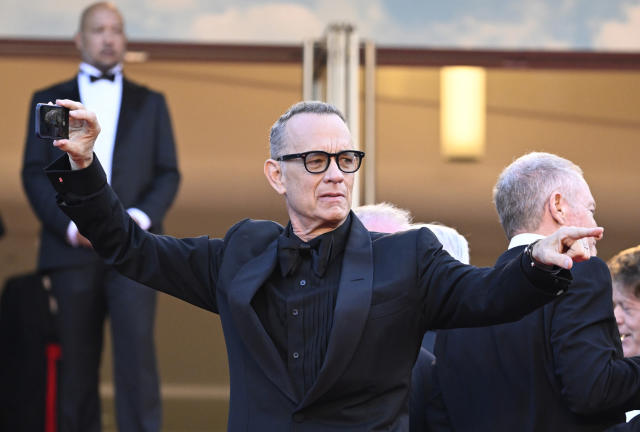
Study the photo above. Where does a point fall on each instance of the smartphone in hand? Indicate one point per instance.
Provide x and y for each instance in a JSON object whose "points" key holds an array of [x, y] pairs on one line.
{"points": [[52, 121]]}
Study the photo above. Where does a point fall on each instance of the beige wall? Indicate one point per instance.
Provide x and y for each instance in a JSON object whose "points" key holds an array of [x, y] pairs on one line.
{"points": [[222, 113], [590, 117]]}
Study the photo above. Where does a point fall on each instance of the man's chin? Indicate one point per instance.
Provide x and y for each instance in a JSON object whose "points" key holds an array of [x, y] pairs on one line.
{"points": [[335, 218], [105, 65]]}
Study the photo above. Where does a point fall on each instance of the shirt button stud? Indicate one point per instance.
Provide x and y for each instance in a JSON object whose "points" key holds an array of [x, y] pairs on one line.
{"points": [[303, 282], [296, 355], [294, 312]]}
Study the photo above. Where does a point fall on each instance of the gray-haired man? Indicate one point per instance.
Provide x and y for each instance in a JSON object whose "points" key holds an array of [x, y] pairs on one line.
{"points": [[561, 367], [322, 318]]}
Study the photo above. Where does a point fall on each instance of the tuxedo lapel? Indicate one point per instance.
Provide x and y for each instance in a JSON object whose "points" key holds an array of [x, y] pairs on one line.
{"points": [[241, 291], [67, 90], [130, 98], [352, 308], [124, 165], [74, 90]]}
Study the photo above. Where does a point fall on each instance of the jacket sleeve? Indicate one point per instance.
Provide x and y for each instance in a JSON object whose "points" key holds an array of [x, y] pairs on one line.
{"points": [[587, 354], [459, 295], [184, 268], [37, 155]]}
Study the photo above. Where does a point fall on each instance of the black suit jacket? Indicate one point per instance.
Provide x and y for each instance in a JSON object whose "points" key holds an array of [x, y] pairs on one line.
{"points": [[144, 168], [421, 417], [392, 288], [560, 368]]}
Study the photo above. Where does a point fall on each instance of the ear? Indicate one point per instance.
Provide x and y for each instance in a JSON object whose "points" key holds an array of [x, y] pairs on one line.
{"points": [[274, 175], [558, 207], [78, 40]]}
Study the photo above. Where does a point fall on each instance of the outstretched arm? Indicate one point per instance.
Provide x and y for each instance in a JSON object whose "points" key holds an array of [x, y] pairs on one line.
{"points": [[184, 268]]}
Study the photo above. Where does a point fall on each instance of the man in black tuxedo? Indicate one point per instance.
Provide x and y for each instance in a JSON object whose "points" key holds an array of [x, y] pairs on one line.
{"points": [[561, 367], [137, 150], [322, 319]]}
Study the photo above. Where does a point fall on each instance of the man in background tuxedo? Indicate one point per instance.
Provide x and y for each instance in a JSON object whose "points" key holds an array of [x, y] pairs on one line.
{"points": [[136, 148], [561, 368]]}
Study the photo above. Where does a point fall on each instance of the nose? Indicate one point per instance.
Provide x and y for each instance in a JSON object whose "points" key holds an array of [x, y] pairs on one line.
{"points": [[109, 35], [617, 312], [333, 173]]}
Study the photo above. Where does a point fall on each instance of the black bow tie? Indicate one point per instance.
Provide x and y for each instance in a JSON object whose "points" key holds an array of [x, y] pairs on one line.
{"points": [[106, 76], [292, 251]]}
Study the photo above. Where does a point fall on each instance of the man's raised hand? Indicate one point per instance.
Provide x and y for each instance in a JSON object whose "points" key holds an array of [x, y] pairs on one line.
{"points": [[83, 131]]}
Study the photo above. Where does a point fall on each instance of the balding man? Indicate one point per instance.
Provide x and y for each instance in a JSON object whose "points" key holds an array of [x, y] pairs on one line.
{"points": [[137, 151]]}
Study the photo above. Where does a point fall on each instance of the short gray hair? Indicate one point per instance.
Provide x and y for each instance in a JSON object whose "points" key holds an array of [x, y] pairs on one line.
{"points": [[277, 135], [524, 186], [452, 241], [383, 217]]}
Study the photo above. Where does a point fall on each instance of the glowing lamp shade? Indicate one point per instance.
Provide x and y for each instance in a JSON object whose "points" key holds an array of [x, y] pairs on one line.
{"points": [[462, 112]]}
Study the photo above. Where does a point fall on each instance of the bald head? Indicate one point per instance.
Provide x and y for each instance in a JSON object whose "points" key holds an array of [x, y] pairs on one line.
{"points": [[89, 10], [100, 38]]}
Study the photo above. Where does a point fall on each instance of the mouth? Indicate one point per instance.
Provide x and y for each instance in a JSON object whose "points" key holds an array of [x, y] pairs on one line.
{"points": [[332, 195], [624, 336]]}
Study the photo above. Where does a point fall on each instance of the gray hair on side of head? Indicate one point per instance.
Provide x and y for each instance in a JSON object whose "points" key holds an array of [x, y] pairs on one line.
{"points": [[452, 241], [383, 217], [625, 270], [277, 135], [523, 188]]}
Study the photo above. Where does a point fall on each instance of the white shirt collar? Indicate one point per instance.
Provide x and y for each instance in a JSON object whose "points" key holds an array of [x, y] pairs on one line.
{"points": [[524, 239], [92, 70]]}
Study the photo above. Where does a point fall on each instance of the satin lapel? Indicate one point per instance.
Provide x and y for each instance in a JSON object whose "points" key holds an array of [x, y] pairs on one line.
{"points": [[352, 308], [127, 112], [74, 91], [241, 291]]}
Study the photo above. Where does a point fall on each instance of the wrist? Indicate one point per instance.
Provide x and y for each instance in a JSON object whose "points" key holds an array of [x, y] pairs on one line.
{"points": [[535, 263], [78, 163]]}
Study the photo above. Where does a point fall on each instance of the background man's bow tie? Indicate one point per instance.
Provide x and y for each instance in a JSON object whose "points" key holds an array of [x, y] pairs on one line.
{"points": [[106, 76]]}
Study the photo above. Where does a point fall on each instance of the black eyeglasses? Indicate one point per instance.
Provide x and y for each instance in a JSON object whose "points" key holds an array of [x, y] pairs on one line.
{"points": [[317, 162]]}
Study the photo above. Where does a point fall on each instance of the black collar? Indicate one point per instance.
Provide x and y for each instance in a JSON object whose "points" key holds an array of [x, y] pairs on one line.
{"points": [[323, 249]]}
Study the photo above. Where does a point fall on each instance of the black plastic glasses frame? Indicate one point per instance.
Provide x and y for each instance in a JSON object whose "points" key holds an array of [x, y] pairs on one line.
{"points": [[356, 154]]}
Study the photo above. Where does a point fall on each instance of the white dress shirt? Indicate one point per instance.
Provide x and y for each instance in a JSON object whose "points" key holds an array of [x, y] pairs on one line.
{"points": [[524, 239]]}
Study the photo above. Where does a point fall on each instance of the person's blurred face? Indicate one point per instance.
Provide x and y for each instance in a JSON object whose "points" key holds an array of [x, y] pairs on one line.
{"points": [[101, 40], [316, 201], [581, 210], [626, 308]]}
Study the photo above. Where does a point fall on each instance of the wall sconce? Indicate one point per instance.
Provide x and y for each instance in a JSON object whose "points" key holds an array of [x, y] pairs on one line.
{"points": [[462, 112]]}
